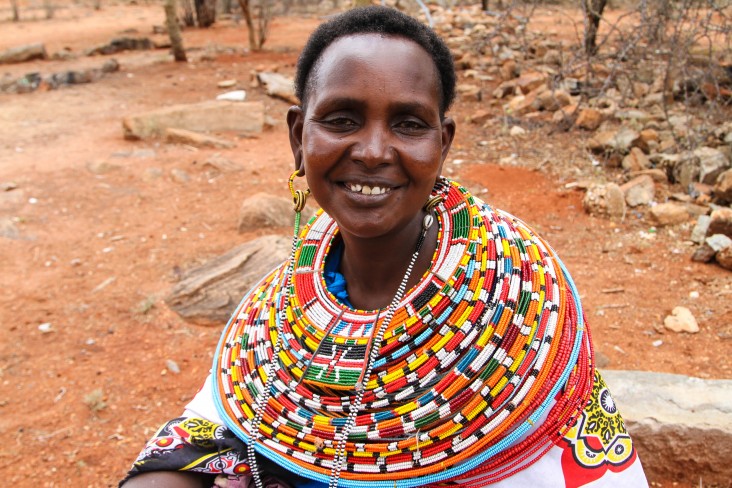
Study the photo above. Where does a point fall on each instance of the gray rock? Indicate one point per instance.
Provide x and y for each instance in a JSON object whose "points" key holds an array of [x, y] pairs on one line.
{"points": [[669, 213], [265, 210], [279, 86], [678, 424], [209, 116], [614, 141], [21, 54], [703, 253], [723, 186], [712, 163], [721, 222], [605, 201], [208, 294], [700, 229], [718, 242], [639, 191]]}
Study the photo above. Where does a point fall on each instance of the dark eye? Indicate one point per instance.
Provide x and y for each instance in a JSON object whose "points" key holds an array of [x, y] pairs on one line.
{"points": [[340, 122], [411, 126]]}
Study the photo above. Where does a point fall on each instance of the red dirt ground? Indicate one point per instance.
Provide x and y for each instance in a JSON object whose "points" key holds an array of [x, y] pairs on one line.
{"points": [[98, 252]]}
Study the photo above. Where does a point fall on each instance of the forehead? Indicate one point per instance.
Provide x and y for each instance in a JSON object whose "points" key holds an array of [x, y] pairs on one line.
{"points": [[363, 61]]}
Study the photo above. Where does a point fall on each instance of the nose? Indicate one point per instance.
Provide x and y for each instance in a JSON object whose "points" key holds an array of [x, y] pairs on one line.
{"points": [[374, 146]]}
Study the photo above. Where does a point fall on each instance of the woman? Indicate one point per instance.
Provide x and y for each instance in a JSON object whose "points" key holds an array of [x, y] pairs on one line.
{"points": [[415, 336]]}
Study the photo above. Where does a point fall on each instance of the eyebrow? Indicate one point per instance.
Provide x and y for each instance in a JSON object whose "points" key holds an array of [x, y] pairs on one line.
{"points": [[399, 107]]}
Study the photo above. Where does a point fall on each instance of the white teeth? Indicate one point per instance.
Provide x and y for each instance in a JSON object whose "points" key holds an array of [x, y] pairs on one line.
{"points": [[367, 190]]}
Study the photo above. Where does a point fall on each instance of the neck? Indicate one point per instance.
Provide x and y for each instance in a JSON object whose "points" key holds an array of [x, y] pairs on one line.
{"points": [[374, 268]]}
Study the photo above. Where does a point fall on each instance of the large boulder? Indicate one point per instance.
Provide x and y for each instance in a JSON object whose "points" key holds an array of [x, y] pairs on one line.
{"points": [[208, 294], [681, 426], [721, 222], [209, 116]]}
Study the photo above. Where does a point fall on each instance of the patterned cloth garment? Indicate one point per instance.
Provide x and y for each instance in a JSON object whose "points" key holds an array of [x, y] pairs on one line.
{"points": [[484, 376]]}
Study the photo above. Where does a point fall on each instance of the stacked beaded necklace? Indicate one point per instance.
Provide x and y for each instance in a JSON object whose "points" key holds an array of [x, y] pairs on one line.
{"points": [[478, 370]]}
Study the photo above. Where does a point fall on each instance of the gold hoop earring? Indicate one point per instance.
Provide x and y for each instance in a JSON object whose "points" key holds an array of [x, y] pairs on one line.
{"points": [[299, 197], [432, 202]]}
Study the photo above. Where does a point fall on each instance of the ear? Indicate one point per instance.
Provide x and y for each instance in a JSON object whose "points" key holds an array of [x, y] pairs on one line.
{"points": [[448, 134], [295, 121]]}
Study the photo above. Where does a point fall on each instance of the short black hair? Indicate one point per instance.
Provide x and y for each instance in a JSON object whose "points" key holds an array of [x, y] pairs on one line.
{"points": [[376, 19]]}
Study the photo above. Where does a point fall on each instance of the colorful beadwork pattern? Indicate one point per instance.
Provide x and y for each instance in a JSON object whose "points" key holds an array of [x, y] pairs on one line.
{"points": [[482, 369]]}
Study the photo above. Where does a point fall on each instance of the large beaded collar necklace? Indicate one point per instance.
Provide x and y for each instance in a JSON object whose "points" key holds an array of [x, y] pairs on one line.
{"points": [[469, 376]]}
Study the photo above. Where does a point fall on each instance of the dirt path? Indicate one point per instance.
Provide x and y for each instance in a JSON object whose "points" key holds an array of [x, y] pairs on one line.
{"points": [[105, 226]]}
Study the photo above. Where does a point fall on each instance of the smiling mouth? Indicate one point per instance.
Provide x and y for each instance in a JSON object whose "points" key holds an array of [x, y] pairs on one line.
{"points": [[367, 190]]}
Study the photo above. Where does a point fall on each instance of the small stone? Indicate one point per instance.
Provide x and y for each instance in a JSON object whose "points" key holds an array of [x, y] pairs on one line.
{"points": [[718, 242], [694, 294], [552, 100], [530, 81], [699, 233], [589, 119], [226, 83], [669, 214], [466, 91], [639, 191], [233, 96], [505, 89], [649, 135], [552, 57], [509, 70], [517, 131], [172, 366], [703, 254], [721, 222], [605, 201], [723, 187], [480, 117], [712, 163], [657, 343], [724, 258], [658, 175], [681, 320], [45, 328], [636, 160]]}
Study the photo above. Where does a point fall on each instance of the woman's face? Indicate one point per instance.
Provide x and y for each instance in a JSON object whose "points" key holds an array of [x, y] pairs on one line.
{"points": [[370, 141]]}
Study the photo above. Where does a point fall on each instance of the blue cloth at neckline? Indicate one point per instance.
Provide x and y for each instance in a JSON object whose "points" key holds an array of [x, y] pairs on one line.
{"points": [[334, 280]]}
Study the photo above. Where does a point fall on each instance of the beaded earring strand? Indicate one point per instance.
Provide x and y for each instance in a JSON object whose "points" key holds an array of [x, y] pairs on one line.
{"points": [[299, 198]]}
